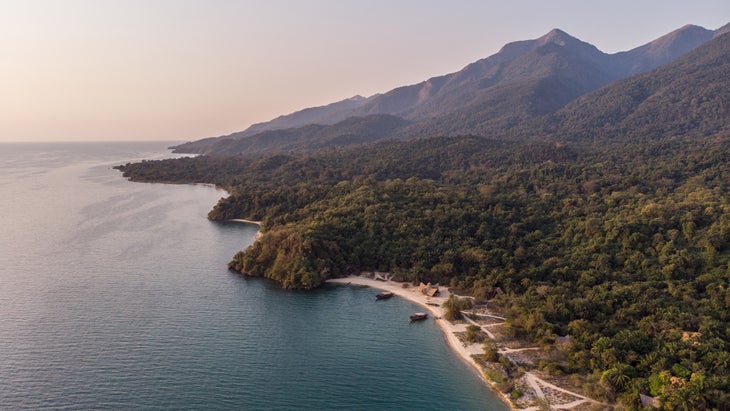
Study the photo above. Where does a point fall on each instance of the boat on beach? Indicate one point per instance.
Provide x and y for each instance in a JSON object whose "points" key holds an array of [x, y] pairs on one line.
{"points": [[384, 295], [419, 316]]}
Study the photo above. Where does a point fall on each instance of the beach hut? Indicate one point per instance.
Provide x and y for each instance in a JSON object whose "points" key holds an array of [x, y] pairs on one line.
{"points": [[428, 289]]}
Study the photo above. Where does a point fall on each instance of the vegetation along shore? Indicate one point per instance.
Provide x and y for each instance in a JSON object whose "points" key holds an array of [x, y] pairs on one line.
{"points": [[592, 217], [471, 334]]}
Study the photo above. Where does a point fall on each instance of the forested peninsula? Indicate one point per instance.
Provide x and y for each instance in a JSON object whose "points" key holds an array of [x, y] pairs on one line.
{"points": [[624, 247], [606, 223]]}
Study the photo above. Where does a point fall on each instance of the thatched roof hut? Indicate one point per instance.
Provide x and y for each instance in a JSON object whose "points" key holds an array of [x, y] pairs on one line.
{"points": [[428, 289]]}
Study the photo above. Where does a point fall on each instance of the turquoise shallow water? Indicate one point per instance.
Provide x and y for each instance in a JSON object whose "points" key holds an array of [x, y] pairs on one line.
{"points": [[115, 295]]}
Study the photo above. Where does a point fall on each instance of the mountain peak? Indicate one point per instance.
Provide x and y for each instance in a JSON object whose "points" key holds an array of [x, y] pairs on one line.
{"points": [[524, 79], [722, 30], [565, 41], [689, 31], [555, 36], [559, 37], [677, 42]]}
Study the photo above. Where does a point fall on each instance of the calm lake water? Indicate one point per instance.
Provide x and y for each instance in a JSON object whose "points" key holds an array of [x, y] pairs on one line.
{"points": [[115, 295]]}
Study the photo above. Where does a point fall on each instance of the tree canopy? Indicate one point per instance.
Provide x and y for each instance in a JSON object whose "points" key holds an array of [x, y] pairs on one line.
{"points": [[624, 246]]}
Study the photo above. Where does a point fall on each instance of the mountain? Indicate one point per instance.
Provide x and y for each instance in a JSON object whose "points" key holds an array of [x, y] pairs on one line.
{"points": [[351, 131], [607, 217], [524, 80], [329, 114], [493, 97], [688, 96], [517, 64], [722, 30], [662, 50]]}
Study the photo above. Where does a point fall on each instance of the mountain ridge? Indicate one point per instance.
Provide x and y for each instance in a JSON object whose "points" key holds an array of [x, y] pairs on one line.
{"points": [[524, 80], [687, 96], [603, 223], [665, 48]]}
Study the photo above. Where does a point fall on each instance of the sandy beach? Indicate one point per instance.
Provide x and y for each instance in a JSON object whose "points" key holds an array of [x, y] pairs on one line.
{"points": [[258, 234], [557, 397], [432, 305], [412, 294], [243, 220], [537, 388]]}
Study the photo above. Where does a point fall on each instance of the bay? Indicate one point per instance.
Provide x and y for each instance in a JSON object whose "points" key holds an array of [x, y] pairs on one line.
{"points": [[115, 295]]}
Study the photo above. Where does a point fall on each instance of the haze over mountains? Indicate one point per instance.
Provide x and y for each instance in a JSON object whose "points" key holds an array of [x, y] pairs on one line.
{"points": [[505, 95]]}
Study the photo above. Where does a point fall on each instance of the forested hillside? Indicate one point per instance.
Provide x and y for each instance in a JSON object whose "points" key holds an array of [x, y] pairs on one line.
{"points": [[494, 96], [686, 97], [624, 250], [607, 223], [348, 132]]}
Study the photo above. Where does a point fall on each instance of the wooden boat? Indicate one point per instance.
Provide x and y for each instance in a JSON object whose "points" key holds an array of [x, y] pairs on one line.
{"points": [[419, 316], [384, 295]]}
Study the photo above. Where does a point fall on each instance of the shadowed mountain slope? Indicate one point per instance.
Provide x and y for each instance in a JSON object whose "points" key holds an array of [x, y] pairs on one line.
{"points": [[351, 131], [329, 114], [495, 96], [688, 96], [662, 50]]}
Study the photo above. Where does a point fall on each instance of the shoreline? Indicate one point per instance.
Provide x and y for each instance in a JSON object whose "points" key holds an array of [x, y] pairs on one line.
{"points": [[411, 294], [258, 234], [243, 220]]}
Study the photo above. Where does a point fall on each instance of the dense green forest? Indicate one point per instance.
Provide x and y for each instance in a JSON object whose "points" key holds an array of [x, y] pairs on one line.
{"points": [[608, 222], [624, 246]]}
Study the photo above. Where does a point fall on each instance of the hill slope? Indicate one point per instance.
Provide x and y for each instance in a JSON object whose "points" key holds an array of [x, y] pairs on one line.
{"points": [[351, 131], [603, 233], [329, 114], [524, 80], [686, 97]]}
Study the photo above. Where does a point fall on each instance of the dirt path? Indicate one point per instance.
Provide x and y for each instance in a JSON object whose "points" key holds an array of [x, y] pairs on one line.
{"points": [[511, 350], [537, 384], [541, 388]]}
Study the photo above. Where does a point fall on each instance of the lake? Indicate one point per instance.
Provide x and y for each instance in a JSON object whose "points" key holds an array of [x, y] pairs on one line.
{"points": [[116, 295]]}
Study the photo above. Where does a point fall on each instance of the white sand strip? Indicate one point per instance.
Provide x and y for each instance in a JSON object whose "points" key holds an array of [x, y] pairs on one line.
{"points": [[412, 294], [243, 220]]}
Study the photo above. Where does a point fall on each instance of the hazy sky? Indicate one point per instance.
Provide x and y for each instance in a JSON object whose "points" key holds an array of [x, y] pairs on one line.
{"points": [[186, 69]]}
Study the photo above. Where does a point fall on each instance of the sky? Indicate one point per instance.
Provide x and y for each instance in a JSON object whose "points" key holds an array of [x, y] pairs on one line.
{"points": [[180, 70]]}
